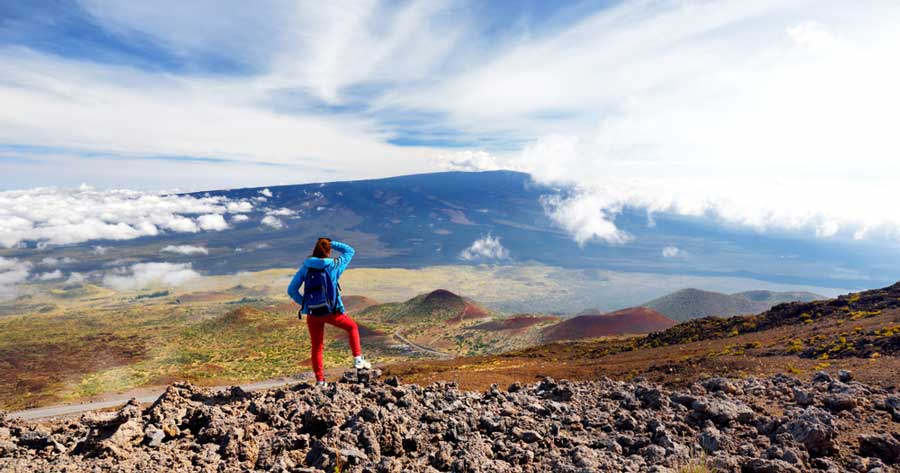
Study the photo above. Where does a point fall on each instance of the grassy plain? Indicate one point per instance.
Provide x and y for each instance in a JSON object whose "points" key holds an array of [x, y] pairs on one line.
{"points": [[61, 343]]}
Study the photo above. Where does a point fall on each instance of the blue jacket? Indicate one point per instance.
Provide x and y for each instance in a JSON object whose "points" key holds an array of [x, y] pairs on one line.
{"points": [[334, 267]]}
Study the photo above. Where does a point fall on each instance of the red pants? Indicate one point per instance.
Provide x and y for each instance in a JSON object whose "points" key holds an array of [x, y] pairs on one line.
{"points": [[316, 325]]}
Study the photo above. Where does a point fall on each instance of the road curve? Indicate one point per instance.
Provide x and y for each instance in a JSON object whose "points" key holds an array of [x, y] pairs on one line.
{"points": [[421, 348]]}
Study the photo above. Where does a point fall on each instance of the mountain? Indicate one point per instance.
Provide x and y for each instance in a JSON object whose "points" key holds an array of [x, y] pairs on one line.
{"points": [[430, 219], [633, 320], [689, 304], [439, 306]]}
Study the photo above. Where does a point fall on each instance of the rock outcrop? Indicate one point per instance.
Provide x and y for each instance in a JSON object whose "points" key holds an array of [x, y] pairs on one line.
{"points": [[366, 424]]}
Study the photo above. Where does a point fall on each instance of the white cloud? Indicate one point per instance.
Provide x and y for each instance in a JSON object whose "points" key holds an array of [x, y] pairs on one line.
{"points": [[223, 118], [67, 216], [180, 224], [240, 218], [673, 252], [53, 262], [145, 275], [586, 216], [12, 272], [100, 250], [239, 207], [282, 212], [76, 278], [486, 247], [212, 222], [266, 192], [747, 112], [49, 276], [468, 160], [185, 250], [272, 222]]}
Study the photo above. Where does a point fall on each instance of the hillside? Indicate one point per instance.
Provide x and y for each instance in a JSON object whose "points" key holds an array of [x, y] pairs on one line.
{"points": [[437, 306], [635, 320], [858, 332], [689, 304]]}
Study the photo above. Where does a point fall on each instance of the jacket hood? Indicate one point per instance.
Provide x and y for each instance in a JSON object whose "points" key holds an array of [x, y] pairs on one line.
{"points": [[318, 263]]}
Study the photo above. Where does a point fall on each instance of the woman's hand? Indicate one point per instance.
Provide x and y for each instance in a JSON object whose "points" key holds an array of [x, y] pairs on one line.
{"points": [[300, 314]]}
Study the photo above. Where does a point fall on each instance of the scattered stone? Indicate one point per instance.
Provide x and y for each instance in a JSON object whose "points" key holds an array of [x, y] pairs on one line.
{"points": [[837, 402], [803, 397], [814, 428], [845, 376], [711, 440], [153, 436], [363, 424], [884, 447], [760, 465], [822, 377]]}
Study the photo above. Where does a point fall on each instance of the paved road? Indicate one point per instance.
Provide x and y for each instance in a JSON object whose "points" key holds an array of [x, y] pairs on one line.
{"points": [[116, 401], [421, 348]]}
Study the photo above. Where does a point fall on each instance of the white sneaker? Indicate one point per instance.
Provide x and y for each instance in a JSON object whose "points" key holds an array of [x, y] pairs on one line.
{"points": [[361, 363], [321, 384]]}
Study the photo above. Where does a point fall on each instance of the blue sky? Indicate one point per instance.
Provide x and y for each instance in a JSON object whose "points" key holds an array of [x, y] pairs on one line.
{"points": [[765, 116]]}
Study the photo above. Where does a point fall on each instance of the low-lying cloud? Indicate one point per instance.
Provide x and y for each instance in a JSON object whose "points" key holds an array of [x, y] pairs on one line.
{"points": [[185, 250], [12, 272], [49, 276], [52, 262], [68, 216], [212, 222], [487, 247], [148, 275]]}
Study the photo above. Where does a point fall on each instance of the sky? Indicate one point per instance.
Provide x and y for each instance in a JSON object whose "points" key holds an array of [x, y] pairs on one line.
{"points": [[773, 116]]}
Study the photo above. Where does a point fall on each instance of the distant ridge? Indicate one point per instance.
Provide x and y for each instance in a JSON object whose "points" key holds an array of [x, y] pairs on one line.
{"points": [[688, 304], [634, 320]]}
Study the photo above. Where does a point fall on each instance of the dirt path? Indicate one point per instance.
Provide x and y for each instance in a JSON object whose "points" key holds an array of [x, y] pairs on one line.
{"points": [[422, 348], [149, 395], [143, 396]]}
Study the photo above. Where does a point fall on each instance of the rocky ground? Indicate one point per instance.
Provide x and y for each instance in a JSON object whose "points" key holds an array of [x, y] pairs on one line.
{"points": [[364, 424]]}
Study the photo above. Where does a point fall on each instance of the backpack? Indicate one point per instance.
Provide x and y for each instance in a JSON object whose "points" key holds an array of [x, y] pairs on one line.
{"points": [[320, 294]]}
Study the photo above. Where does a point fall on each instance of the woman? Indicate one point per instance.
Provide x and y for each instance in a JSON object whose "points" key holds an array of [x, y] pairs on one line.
{"points": [[320, 263]]}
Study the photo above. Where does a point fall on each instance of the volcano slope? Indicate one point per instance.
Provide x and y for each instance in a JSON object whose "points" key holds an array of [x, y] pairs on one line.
{"points": [[859, 332], [364, 425]]}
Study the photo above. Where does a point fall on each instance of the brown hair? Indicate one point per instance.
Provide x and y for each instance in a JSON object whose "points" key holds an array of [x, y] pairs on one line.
{"points": [[322, 248]]}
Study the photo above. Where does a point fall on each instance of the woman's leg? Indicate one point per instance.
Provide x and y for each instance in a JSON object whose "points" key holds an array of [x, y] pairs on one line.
{"points": [[344, 322], [317, 338]]}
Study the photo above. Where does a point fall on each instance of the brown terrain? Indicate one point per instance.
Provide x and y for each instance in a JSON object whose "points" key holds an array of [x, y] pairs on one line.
{"points": [[805, 386], [633, 320], [515, 323], [859, 332]]}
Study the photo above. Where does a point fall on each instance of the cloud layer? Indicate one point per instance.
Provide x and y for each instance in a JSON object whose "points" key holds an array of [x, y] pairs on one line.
{"points": [[149, 275], [65, 216]]}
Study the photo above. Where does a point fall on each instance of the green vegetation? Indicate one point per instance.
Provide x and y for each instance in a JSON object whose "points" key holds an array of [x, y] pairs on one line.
{"points": [[863, 314]]}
